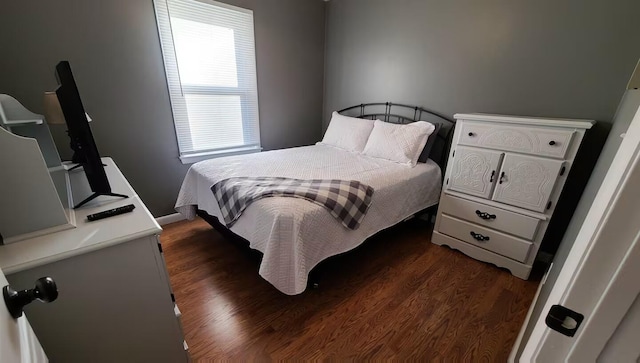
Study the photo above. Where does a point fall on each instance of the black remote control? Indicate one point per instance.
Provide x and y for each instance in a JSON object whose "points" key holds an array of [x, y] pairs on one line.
{"points": [[111, 212]]}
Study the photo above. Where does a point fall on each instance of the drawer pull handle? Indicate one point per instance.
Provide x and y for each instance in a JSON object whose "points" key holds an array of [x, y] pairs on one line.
{"points": [[471, 134], [493, 173], [479, 237], [552, 142], [485, 215], [501, 178]]}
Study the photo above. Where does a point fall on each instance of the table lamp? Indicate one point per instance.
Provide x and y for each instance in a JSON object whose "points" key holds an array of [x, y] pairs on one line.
{"points": [[52, 110], [54, 116]]}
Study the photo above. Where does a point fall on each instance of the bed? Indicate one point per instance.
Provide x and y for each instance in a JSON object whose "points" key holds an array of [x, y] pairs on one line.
{"points": [[295, 235]]}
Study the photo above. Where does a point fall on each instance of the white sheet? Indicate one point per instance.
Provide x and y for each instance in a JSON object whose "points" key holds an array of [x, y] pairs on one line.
{"points": [[295, 235]]}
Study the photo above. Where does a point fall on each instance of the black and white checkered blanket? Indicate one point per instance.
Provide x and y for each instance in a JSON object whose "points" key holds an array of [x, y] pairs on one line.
{"points": [[346, 200]]}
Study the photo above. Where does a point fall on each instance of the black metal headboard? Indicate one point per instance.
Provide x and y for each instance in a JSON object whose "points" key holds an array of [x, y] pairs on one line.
{"points": [[404, 114]]}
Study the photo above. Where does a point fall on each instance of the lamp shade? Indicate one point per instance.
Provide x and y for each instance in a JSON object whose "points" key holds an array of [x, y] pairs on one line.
{"points": [[52, 110]]}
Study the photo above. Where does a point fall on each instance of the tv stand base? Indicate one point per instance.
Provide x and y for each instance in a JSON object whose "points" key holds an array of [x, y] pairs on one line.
{"points": [[79, 166], [95, 195]]}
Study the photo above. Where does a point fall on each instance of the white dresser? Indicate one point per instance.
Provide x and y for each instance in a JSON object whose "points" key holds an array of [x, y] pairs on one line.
{"points": [[503, 179], [115, 302]]}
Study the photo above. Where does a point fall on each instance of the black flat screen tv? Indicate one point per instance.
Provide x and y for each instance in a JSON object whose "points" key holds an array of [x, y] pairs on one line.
{"points": [[82, 142]]}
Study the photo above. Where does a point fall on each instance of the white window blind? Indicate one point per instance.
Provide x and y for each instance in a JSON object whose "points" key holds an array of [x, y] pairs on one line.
{"points": [[209, 57]]}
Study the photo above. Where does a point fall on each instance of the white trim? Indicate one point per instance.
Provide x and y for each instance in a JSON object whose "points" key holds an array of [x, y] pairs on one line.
{"points": [[544, 121], [170, 218], [194, 158], [227, 6]]}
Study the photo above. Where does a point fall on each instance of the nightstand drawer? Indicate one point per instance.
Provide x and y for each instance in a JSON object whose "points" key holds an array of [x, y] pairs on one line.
{"points": [[491, 240], [495, 218], [539, 141]]}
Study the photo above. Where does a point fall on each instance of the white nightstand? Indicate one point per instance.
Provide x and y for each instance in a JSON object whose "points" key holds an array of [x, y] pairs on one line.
{"points": [[503, 179]]}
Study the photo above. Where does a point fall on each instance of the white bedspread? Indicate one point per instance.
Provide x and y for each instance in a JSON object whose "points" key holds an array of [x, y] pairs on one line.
{"points": [[294, 235]]}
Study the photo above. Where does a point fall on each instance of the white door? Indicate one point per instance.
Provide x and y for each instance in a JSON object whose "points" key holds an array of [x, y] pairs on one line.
{"points": [[526, 181], [623, 344], [18, 343], [599, 279], [474, 171]]}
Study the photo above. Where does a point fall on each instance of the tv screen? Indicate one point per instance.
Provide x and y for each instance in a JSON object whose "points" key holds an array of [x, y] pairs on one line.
{"points": [[82, 142]]}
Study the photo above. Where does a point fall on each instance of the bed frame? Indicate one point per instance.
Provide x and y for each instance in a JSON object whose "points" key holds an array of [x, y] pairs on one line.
{"points": [[404, 114], [387, 112]]}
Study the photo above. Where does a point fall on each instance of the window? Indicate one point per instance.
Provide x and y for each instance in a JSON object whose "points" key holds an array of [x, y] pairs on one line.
{"points": [[209, 56]]}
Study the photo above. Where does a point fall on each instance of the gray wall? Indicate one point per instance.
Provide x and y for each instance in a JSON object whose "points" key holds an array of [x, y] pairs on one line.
{"points": [[115, 54], [538, 58]]}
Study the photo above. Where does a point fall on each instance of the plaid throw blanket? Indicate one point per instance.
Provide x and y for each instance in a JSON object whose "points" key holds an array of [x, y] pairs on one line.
{"points": [[347, 201]]}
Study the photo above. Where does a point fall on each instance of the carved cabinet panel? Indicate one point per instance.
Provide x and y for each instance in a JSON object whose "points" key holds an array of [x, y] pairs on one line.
{"points": [[474, 171], [526, 181]]}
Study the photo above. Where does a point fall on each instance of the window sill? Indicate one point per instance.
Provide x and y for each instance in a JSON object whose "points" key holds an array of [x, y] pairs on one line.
{"points": [[196, 157]]}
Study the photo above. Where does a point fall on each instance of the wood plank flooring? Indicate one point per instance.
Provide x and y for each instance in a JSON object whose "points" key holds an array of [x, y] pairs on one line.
{"points": [[395, 297]]}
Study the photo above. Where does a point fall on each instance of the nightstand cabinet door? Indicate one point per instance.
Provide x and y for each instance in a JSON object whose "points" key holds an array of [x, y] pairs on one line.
{"points": [[526, 181], [474, 171], [503, 220]]}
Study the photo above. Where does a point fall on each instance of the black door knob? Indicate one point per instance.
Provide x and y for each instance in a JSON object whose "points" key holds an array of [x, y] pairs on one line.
{"points": [[552, 142], [471, 134], [45, 291]]}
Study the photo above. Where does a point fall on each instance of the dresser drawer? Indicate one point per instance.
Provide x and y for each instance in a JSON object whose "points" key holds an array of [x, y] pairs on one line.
{"points": [[495, 218], [491, 240], [551, 142]]}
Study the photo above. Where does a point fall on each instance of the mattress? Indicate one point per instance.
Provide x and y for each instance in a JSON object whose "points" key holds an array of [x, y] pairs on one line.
{"points": [[293, 234]]}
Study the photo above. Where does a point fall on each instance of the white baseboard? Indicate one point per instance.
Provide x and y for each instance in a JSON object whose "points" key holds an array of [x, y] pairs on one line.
{"points": [[171, 218]]}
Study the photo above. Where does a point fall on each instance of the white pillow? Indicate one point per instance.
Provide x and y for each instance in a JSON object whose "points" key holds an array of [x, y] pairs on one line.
{"points": [[347, 133], [399, 143]]}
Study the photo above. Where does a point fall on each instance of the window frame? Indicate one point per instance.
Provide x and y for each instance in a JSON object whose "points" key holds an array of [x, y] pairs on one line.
{"points": [[178, 90]]}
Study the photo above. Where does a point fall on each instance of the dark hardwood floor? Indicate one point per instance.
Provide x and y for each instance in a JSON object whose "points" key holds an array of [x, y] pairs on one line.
{"points": [[395, 297]]}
